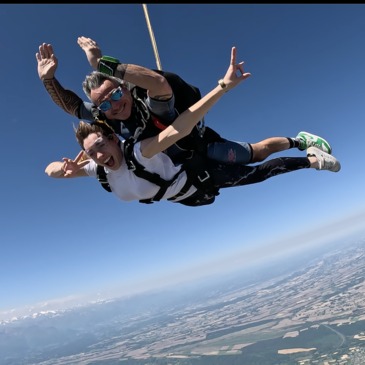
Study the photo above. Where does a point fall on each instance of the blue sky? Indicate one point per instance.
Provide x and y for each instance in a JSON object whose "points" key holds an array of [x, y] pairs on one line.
{"points": [[65, 238]]}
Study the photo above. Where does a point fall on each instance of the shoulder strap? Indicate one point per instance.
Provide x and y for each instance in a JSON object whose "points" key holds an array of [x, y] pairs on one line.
{"points": [[139, 171], [196, 168], [143, 114], [101, 175]]}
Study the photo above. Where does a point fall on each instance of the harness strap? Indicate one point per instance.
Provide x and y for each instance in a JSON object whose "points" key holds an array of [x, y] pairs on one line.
{"points": [[188, 184], [140, 171], [144, 115], [157, 180], [101, 175]]}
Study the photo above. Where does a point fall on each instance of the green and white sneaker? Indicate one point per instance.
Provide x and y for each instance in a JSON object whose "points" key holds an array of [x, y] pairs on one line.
{"points": [[307, 140], [325, 160]]}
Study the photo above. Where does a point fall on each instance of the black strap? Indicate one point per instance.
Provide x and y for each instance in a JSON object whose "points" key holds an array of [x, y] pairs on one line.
{"points": [[188, 184], [140, 171], [157, 180], [196, 169], [101, 175]]}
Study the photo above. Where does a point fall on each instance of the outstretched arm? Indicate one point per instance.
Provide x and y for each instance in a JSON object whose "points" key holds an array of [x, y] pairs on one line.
{"points": [[68, 168], [156, 85], [186, 121], [65, 99]]}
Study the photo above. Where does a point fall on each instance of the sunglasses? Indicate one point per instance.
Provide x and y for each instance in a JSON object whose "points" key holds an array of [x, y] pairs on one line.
{"points": [[115, 96], [98, 144]]}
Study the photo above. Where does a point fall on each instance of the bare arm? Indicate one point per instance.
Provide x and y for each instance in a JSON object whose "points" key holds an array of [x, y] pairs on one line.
{"points": [[156, 85], [68, 168], [186, 121]]}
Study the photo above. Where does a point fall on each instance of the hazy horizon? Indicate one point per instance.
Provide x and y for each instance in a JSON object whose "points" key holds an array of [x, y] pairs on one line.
{"points": [[249, 257]]}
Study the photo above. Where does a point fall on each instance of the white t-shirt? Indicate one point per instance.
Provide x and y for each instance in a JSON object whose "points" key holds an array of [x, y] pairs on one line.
{"points": [[127, 186]]}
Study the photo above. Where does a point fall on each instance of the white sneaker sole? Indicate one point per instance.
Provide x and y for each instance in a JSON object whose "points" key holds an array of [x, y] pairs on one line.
{"points": [[325, 160]]}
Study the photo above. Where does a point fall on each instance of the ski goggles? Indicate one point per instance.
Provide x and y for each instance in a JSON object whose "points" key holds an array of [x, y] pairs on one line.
{"points": [[115, 96]]}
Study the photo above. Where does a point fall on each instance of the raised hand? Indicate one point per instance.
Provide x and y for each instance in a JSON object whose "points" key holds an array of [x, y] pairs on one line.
{"points": [[71, 167], [91, 49], [47, 61], [235, 73]]}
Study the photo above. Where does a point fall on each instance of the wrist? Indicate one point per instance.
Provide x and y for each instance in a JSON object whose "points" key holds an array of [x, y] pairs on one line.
{"points": [[222, 84], [108, 65]]}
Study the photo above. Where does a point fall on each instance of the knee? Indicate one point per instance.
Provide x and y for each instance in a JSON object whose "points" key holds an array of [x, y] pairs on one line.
{"points": [[259, 151], [230, 152]]}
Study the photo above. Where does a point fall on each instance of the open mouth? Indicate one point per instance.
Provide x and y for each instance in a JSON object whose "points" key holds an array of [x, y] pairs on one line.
{"points": [[109, 161]]}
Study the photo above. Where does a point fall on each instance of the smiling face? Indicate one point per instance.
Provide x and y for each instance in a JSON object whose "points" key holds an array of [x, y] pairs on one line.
{"points": [[116, 98], [104, 150]]}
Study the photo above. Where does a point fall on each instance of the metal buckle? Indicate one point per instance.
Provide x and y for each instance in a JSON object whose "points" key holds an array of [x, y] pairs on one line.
{"points": [[138, 132], [131, 166], [201, 127], [206, 177]]}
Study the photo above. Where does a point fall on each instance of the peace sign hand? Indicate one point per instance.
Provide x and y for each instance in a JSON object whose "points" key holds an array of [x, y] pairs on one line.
{"points": [[71, 167]]}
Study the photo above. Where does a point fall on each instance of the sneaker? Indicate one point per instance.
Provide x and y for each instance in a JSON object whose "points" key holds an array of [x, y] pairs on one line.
{"points": [[325, 160], [307, 140]]}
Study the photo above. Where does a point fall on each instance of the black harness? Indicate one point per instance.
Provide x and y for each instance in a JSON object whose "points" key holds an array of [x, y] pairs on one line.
{"points": [[196, 168], [193, 147], [140, 171]]}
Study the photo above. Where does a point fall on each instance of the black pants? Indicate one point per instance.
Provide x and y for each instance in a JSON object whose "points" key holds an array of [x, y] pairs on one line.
{"points": [[225, 176]]}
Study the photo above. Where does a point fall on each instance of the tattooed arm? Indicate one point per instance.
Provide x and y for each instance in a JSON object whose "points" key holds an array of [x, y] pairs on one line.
{"points": [[65, 99]]}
